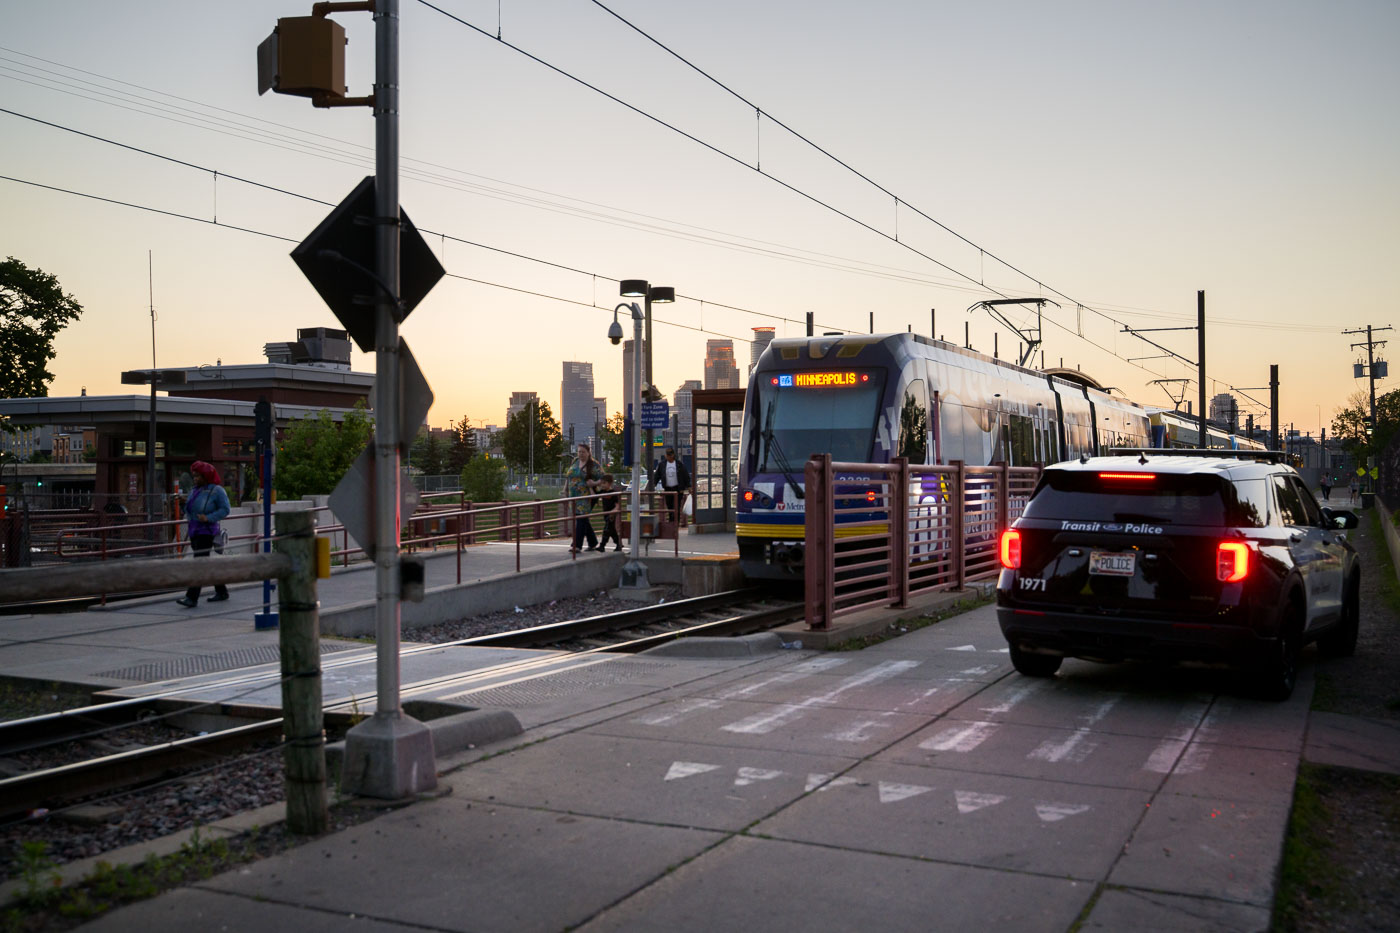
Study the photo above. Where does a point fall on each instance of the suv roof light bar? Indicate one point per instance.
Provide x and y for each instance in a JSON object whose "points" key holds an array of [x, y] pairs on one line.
{"points": [[1270, 456]]}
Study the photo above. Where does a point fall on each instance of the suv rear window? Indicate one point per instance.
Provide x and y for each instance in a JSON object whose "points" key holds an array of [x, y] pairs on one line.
{"points": [[1180, 499]]}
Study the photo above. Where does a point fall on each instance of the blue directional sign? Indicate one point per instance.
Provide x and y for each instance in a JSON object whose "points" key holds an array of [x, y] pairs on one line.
{"points": [[656, 415]]}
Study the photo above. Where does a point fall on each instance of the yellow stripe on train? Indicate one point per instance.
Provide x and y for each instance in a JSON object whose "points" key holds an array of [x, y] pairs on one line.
{"points": [[799, 533]]}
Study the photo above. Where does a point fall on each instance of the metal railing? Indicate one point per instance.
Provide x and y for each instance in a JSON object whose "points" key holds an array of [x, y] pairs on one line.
{"points": [[441, 520], [877, 534]]}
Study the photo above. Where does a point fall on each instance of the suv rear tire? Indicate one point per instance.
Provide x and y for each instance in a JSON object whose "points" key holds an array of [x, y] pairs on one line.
{"points": [[1340, 641], [1277, 676], [1034, 665]]}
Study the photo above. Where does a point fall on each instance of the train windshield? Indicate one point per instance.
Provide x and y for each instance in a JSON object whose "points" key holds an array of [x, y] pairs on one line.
{"points": [[794, 421]]}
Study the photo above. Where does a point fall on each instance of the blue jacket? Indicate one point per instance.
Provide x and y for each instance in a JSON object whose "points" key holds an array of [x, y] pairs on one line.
{"points": [[210, 501]]}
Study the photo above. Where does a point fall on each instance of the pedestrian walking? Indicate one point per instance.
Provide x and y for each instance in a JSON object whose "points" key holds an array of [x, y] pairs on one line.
{"points": [[206, 508], [1355, 490], [1326, 489], [610, 511], [583, 478], [672, 476]]}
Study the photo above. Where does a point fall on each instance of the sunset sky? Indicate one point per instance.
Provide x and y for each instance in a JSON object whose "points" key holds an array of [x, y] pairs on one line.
{"points": [[1120, 155]]}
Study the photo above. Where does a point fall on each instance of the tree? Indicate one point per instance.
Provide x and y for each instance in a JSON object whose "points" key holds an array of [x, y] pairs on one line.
{"points": [[548, 441], [315, 452], [612, 453], [428, 454], [461, 449], [33, 309], [484, 479]]}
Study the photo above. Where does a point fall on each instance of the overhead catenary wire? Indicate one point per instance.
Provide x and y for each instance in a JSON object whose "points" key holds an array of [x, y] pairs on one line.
{"points": [[980, 280]]}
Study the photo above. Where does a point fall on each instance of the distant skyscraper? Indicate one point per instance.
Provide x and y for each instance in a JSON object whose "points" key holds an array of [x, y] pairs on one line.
{"points": [[576, 402], [1224, 409], [518, 401], [685, 410], [721, 372], [762, 337], [600, 421]]}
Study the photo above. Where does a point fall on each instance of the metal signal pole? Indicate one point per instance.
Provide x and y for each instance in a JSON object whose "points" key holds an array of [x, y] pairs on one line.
{"points": [[1201, 361], [390, 755]]}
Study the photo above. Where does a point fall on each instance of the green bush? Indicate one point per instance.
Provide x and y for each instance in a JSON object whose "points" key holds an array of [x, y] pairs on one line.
{"points": [[484, 479]]}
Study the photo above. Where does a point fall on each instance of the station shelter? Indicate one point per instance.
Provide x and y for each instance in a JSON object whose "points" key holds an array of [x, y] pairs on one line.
{"points": [[718, 423]]}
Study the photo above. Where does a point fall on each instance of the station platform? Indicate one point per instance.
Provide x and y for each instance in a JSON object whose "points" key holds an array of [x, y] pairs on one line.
{"points": [[135, 641]]}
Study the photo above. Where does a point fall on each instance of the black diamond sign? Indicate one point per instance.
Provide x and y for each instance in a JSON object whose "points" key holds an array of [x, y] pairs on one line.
{"points": [[338, 260]]}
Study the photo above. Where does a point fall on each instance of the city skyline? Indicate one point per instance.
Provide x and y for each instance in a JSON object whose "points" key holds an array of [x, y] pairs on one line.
{"points": [[1245, 150]]}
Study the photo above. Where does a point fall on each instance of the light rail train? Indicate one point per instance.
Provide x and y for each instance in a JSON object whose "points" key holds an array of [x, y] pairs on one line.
{"points": [[869, 398]]}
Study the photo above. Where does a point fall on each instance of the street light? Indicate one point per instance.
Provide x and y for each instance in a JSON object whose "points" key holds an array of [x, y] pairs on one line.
{"points": [[634, 572], [659, 294]]}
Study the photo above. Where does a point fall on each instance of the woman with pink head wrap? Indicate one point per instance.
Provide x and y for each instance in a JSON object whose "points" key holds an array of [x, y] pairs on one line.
{"points": [[206, 507]]}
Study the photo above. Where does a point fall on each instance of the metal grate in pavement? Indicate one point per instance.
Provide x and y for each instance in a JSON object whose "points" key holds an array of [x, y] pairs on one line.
{"points": [[193, 664], [558, 686]]}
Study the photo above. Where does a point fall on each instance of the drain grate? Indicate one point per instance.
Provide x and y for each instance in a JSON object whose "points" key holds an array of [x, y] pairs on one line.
{"points": [[193, 664], [558, 686]]}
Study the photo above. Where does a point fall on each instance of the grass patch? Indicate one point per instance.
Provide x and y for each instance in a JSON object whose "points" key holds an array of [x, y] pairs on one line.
{"points": [[1308, 876], [905, 626]]}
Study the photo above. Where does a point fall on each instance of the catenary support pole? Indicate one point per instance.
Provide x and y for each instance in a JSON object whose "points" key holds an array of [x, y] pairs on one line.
{"points": [[389, 755], [300, 643], [1201, 363], [1273, 406]]}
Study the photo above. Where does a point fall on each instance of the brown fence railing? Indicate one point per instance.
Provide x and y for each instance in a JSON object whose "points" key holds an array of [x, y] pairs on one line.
{"points": [[877, 534], [444, 520]]}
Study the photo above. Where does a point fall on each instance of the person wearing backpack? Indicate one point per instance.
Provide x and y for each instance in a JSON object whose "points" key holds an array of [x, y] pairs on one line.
{"points": [[205, 509]]}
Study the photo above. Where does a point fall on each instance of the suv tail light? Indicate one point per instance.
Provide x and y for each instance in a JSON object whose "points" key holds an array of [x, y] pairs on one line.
{"points": [[1010, 549], [1231, 561]]}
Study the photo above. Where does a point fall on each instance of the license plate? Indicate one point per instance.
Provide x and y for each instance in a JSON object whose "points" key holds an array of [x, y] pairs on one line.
{"points": [[1112, 563]]}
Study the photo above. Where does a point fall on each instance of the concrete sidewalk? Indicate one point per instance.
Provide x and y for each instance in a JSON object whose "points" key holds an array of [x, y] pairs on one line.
{"points": [[918, 784]]}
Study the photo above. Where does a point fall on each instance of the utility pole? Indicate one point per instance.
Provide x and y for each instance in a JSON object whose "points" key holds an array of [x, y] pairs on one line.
{"points": [[1371, 371]]}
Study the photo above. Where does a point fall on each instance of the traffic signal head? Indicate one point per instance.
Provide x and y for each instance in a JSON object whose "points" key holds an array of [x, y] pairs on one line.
{"points": [[1370, 424]]}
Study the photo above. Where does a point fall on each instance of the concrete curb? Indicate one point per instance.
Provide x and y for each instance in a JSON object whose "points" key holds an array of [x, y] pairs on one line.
{"points": [[874, 622], [471, 728], [741, 647]]}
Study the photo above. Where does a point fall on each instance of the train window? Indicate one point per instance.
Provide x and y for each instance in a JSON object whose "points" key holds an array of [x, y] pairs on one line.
{"points": [[1021, 431], [913, 423], [793, 423]]}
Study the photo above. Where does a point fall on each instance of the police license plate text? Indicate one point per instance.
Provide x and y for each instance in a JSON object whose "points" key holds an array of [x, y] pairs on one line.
{"points": [[1112, 563]]}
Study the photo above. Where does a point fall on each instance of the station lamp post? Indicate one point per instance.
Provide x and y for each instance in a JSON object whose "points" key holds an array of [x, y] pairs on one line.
{"points": [[634, 572], [660, 294]]}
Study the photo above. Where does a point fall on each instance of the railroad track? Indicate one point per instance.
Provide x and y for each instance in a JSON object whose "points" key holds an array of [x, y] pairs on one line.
{"points": [[588, 641]]}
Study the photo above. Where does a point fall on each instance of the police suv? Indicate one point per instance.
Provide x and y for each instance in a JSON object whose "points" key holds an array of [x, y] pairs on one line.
{"points": [[1218, 556]]}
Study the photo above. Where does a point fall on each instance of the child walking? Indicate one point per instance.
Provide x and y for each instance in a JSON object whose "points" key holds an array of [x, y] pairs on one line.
{"points": [[610, 510]]}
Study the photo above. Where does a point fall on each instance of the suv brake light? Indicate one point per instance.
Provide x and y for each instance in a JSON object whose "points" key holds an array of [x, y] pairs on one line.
{"points": [[1231, 561], [1010, 549], [1142, 477]]}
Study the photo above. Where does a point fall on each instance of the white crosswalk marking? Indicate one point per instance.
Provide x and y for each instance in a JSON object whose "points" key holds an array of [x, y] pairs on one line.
{"points": [[970, 802], [673, 712], [763, 723], [685, 769], [961, 738], [890, 792], [1078, 746], [1015, 697], [1194, 760], [750, 775], [1164, 756], [962, 648]]}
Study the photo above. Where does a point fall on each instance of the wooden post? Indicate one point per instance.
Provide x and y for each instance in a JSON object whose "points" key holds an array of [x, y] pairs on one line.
{"points": [[299, 634]]}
